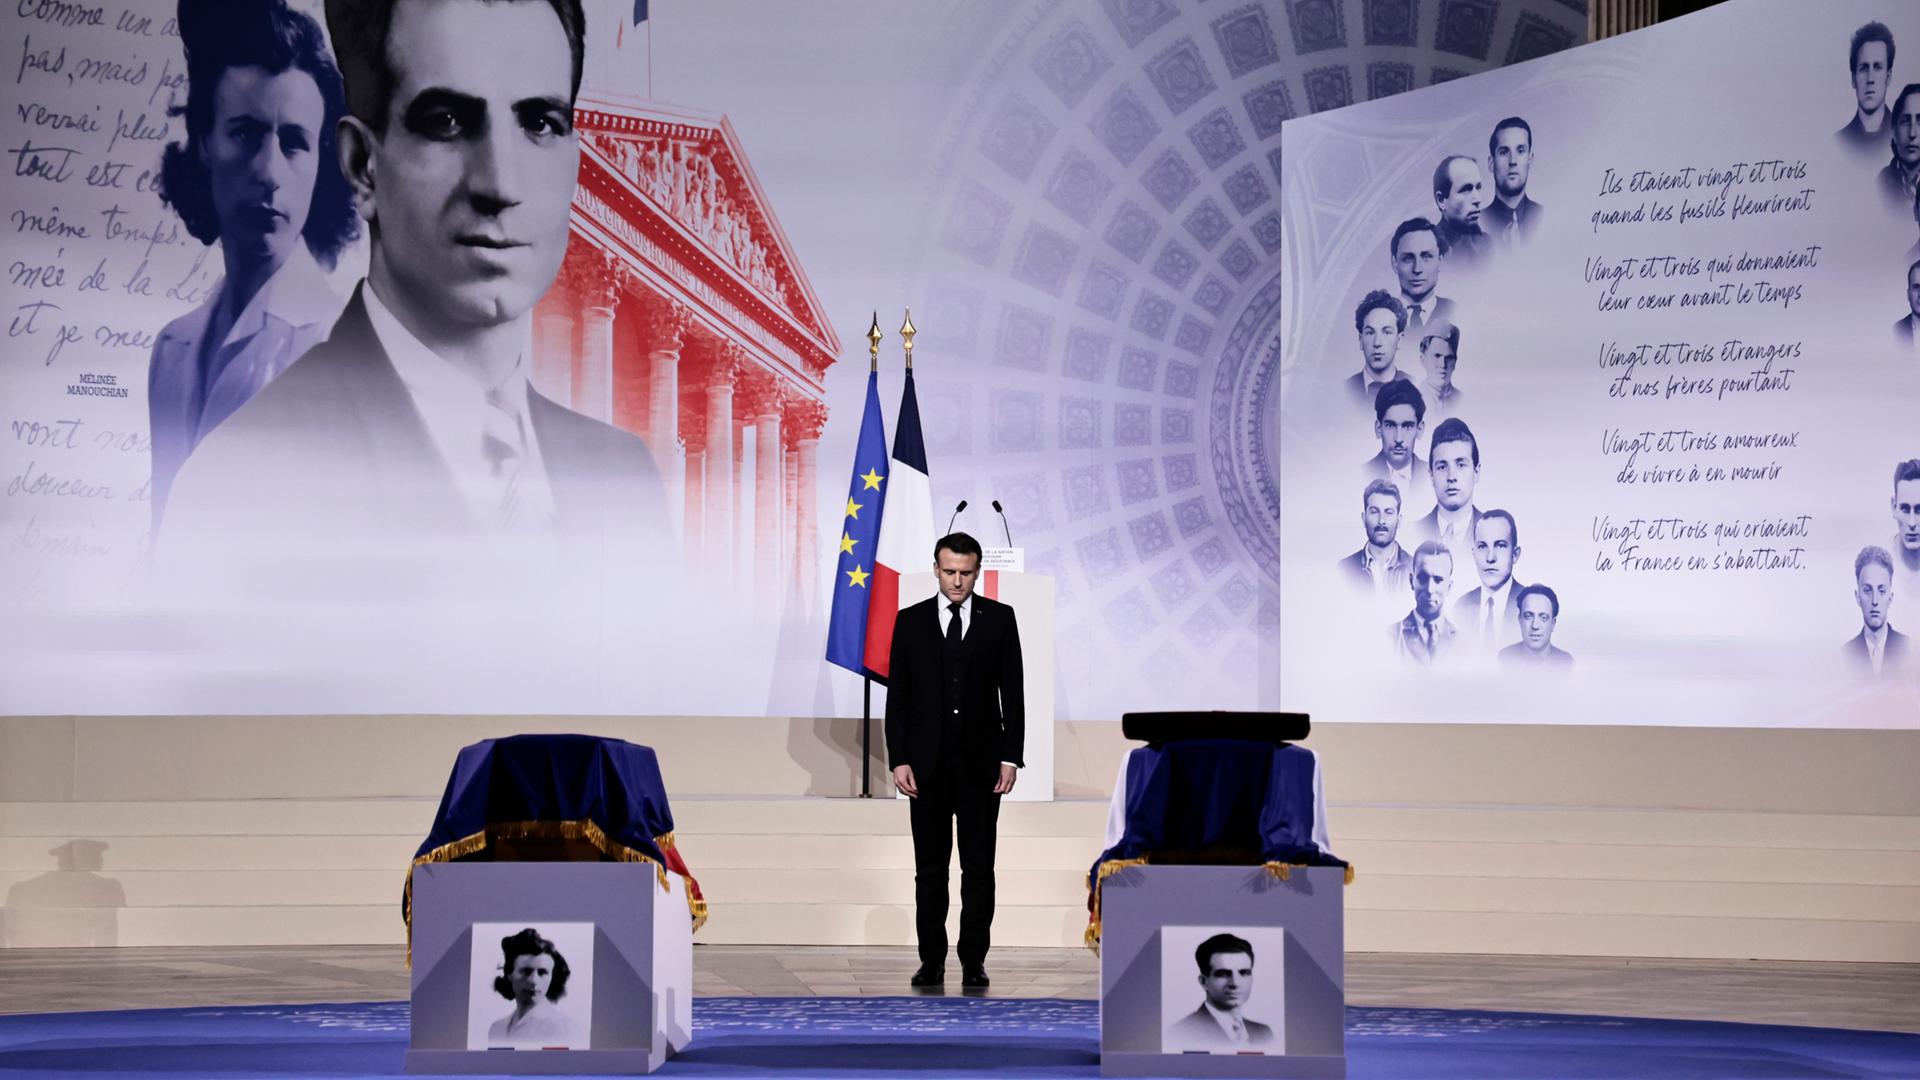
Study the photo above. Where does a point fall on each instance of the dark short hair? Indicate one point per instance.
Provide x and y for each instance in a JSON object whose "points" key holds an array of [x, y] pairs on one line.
{"points": [[1513, 527], [1379, 298], [1510, 122], [1442, 183], [1219, 943], [959, 543], [1905, 92], [1400, 392], [1453, 429], [264, 34], [360, 29], [1446, 330], [1417, 224], [1871, 555], [1378, 486], [1873, 31], [1906, 470], [1537, 589], [1911, 267], [528, 942]]}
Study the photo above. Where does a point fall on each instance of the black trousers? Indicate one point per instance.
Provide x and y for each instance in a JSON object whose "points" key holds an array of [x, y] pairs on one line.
{"points": [[946, 802]]}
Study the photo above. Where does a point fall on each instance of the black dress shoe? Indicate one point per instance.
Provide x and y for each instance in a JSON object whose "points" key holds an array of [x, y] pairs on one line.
{"points": [[929, 975], [973, 976]]}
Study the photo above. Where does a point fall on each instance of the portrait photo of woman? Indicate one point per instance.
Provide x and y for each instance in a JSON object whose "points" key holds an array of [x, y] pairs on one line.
{"points": [[259, 175], [534, 977]]}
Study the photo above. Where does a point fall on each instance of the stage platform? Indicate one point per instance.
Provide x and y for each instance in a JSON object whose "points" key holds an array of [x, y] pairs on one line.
{"points": [[1458, 878]]}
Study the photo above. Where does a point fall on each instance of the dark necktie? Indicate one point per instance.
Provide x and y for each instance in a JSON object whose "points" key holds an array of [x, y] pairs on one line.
{"points": [[1414, 322], [953, 627]]}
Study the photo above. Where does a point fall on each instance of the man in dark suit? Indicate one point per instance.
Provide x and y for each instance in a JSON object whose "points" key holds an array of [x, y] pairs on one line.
{"points": [[956, 727], [1539, 612], [1900, 180], [417, 415], [1512, 215], [1226, 977], [1453, 463], [1878, 651], [1460, 194], [1489, 613], [1378, 323], [1903, 331], [1870, 67], [1418, 252], [1399, 414]]}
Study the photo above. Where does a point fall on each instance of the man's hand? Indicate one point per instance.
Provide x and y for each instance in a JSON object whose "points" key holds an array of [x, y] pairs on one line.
{"points": [[1008, 774], [903, 779]]}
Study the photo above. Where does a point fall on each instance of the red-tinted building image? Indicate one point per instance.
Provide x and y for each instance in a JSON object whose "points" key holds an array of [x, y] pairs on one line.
{"points": [[682, 315]]}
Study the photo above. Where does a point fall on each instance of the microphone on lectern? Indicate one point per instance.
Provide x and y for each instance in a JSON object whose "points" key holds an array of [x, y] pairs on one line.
{"points": [[956, 513], [1003, 521]]}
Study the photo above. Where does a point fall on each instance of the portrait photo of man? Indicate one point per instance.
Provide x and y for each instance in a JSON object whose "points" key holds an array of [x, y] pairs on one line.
{"points": [[417, 415], [1878, 651], [1870, 67], [1903, 330], [1906, 526], [1399, 416], [1439, 356], [1539, 613], [1418, 253], [1381, 565], [1512, 215], [1453, 467], [1460, 195], [1426, 637], [1219, 1024], [1900, 180], [1377, 324], [1489, 613]]}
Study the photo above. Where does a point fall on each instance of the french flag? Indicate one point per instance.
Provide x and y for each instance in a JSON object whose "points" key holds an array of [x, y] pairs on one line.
{"points": [[906, 531]]}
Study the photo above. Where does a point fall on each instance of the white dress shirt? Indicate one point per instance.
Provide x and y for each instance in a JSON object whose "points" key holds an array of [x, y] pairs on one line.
{"points": [[1233, 1026], [188, 394], [1876, 647], [1493, 606], [453, 405]]}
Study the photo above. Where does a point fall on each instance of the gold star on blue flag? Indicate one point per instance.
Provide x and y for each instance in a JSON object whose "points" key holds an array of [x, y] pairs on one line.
{"points": [[866, 500]]}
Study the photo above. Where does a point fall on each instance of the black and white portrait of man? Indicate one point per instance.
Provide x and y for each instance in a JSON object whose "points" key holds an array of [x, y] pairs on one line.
{"points": [[1220, 1023]]}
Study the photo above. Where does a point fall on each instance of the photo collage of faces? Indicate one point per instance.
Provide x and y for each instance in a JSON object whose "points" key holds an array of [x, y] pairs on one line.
{"points": [[1428, 550], [1880, 123]]}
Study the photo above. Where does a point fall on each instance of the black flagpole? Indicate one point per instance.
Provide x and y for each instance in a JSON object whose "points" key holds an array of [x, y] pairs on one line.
{"points": [[866, 737]]}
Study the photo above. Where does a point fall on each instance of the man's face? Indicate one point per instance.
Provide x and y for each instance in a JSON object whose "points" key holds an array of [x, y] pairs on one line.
{"points": [[1416, 262], [1874, 591], [1913, 290], [1906, 514], [1454, 473], [1870, 76], [1432, 576], [1467, 195], [1906, 131], [1228, 981], [1397, 431], [1437, 357], [956, 574], [1494, 551], [1379, 340], [1536, 622], [262, 159], [1381, 517], [1512, 159], [473, 178], [531, 976]]}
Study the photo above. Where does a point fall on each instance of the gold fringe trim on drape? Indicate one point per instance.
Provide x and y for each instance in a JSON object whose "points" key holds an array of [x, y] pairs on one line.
{"points": [[696, 905], [589, 831], [1107, 869]]}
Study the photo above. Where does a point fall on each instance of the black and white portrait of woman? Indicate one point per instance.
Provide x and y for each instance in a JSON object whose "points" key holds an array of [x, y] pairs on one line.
{"points": [[259, 175], [534, 977]]}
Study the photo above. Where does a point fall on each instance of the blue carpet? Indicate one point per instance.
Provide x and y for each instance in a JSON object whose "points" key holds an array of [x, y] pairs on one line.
{"points": [[947, 1037]]}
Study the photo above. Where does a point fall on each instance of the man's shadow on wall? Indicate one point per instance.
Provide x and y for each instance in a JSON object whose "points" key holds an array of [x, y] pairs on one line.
{"points": [[74, 905]]}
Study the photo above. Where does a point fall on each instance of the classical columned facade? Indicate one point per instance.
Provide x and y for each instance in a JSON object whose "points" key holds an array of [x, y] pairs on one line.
{"points": [[682, 316]]}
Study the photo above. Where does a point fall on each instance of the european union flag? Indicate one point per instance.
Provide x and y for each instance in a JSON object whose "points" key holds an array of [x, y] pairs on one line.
{"points": [[859, 531]]}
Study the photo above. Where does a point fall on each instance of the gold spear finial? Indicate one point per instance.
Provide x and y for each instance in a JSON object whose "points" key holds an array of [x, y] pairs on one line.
{"points": [[873, 343], [906, 334]]}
